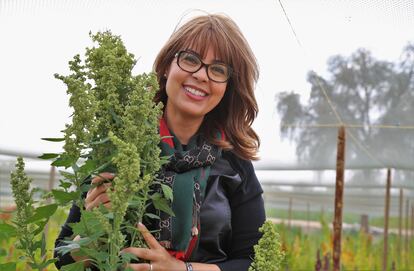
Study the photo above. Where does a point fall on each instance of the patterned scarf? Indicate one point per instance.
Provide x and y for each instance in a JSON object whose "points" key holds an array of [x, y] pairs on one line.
{"points": [[186, 173]]}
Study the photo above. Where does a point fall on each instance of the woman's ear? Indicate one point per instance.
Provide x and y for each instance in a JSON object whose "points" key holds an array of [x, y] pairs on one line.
{"points": [[166, 73]]}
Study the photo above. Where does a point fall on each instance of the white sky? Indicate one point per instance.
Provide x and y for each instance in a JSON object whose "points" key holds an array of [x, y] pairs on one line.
{"points": [[38, 38]]}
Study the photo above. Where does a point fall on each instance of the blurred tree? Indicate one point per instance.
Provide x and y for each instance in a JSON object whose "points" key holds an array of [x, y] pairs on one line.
{"points": [[364, 91]]}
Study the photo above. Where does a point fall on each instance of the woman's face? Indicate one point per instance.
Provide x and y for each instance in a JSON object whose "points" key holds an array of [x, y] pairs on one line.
{"points": [[192, 95]]}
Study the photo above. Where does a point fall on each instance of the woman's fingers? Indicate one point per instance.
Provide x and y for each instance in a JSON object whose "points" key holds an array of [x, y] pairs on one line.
{"points": [[140, 266], [101, 198], [142, 253], [102, 177], [92, 194], [97, 194], [149, 239]]}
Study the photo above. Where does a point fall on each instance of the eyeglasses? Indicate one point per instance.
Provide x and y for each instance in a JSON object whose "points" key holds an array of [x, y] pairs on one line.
{"points": [[191, 62]]}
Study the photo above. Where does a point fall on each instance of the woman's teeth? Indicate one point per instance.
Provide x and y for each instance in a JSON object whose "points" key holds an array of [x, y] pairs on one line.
{"points": [[195, 92]]}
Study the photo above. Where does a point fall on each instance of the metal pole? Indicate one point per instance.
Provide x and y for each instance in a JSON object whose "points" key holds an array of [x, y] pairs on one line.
{"points": [[339, 191], [386, 215]]}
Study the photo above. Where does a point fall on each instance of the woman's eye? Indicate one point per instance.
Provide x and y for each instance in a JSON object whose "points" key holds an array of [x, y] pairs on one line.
{"points": [[190, 59], [218, 69]]}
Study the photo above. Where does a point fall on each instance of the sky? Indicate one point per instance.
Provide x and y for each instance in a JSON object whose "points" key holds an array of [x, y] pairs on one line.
{"points": [[38, 38]]}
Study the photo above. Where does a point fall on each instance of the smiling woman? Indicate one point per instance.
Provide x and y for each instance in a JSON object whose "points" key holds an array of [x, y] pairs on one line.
{"points": [[206, 73]]}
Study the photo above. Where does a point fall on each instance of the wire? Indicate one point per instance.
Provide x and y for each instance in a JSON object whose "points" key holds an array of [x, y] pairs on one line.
{"points": [[338, 117], [335, 125]]}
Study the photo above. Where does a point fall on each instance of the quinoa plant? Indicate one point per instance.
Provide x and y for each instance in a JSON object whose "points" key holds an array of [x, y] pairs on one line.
{"points": [[268, 252], [29, 222], [114, 128]]}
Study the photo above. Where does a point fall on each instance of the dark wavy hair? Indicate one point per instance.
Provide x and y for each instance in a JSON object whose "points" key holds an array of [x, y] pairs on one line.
{"points": [[236, 111]]}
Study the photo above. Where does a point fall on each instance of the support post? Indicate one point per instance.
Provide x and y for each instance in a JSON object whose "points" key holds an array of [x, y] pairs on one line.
{"points": [[386, 218], [400, 219], [290, 213], [339, 191]]}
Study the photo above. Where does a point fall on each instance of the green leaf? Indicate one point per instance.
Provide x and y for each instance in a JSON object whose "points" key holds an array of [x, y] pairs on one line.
{"points": [[76, 266], [71, 245], [106, 139], [89, 226], [53, 139], [47, 156], [8, 266], [65, 185], [88, 167], [168, 193], [43, 212], [7, 230], [100, 256], [43, 247], [63, 197], [153, 216], [162, 204], [40, 226], [64, 161]]}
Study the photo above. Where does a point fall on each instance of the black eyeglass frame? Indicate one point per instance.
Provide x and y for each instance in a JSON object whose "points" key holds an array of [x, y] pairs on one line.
{"points": [[230, 70]]}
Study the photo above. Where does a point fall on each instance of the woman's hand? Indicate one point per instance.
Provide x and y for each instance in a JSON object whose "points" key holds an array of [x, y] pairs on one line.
{"points": [[159, 257], [97, 195]]}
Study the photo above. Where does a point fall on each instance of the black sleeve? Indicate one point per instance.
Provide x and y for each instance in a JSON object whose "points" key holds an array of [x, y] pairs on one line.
{"points": [[66, 233], [248, 215]]}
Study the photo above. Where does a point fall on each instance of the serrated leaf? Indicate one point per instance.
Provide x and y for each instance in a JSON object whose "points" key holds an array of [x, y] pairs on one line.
{"points": [[67, 175], [47, 156], [43, 212], [88, 167], [65, 185], [64, 161], [53, 139], [63, 197], [89, 225], [168, 193], [162, 204]]}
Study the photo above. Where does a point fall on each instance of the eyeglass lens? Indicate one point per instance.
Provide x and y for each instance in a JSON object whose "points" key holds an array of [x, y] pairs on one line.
{"points": [[190, 62]]}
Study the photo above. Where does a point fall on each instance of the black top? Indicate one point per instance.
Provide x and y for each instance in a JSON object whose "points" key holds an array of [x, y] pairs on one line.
{"points": [[231, 214]]}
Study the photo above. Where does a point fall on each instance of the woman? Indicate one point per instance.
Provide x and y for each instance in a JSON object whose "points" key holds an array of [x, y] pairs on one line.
{"points": [[206, 73]]}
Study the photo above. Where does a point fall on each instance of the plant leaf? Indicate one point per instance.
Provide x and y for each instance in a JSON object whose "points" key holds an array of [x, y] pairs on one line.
{"points": [[64, 161], [103, 140], [168, 193], [76, 266], [153, 216], [63, 197], [162, 204], [53, 139], [43, 212], [7, 230], [47, 156]]}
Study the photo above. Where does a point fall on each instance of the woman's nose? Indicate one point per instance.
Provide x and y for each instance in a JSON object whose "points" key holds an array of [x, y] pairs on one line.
{"points": [[201, 74]]}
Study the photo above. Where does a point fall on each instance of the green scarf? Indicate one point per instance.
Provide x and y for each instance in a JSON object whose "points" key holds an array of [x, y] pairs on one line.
{"points": [[186, 173]]}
